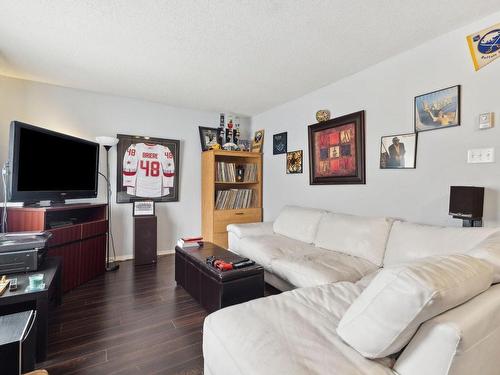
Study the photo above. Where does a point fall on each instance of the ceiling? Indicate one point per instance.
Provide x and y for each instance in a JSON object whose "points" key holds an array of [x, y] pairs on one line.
{"points": [[244, 56]]}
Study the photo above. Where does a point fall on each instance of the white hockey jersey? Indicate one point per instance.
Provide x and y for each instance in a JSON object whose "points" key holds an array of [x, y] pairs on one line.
{"points": [[148, 170]]}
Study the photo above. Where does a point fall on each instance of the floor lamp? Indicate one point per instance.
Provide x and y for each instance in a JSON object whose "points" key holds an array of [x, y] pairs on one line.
{"points": [[107, 143]]}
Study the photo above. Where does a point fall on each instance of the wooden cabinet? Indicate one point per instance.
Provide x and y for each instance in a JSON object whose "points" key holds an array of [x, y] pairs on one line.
{"points": [[81, 242], [215, 221]]}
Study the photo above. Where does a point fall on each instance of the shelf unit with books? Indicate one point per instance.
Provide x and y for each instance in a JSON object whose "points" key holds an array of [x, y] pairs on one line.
{"points": [[231, 192]]}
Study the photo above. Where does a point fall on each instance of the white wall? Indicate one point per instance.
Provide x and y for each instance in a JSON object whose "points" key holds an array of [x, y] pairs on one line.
{"points": [[386, 92], [87, 115]]}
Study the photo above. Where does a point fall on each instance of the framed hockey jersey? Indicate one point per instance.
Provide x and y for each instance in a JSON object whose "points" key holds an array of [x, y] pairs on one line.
{"points": [[147, 168]]}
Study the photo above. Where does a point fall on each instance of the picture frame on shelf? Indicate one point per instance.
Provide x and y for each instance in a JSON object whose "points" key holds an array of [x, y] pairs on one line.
{"points": [[337, 150], [208, 137], [258, 141], [398, 151], [438, 109], [294, 162], [280, 143]]}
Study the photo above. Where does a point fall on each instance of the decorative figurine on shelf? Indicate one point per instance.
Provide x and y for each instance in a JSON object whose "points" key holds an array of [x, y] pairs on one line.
{"points": [[323, 115], [229, 130], [220, 135], [236, 132], [230, 146], [215, 146]]}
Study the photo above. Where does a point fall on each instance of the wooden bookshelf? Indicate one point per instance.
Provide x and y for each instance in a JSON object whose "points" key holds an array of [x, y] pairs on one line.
{"points": [[214, 221]]}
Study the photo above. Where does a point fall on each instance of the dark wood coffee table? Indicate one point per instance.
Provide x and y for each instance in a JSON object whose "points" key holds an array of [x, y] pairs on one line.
{"points": [[212, 288]]}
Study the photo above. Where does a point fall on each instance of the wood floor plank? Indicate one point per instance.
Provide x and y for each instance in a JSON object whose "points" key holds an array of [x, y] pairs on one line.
{"points": [[132, 321]]}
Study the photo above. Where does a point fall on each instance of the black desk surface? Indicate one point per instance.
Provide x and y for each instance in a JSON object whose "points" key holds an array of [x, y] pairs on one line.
{"points": [[48, 268]]}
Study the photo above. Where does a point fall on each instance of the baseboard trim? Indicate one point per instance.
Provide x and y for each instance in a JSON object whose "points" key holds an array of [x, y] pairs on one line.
{"points": [[121, 258]]}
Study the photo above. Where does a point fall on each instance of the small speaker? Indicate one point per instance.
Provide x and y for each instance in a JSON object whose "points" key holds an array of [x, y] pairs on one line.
{"points": [[145, 240], [466, 202]]}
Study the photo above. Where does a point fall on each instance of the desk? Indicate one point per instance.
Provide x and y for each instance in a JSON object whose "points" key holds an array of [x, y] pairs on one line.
{"points": [[22, 300]]}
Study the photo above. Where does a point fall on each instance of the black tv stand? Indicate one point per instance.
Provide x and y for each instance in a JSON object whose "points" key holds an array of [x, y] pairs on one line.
{"points": [[62, 203]]}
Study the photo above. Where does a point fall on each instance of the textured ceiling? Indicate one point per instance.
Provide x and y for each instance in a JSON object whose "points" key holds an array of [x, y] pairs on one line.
{"points": [[241, 56]]}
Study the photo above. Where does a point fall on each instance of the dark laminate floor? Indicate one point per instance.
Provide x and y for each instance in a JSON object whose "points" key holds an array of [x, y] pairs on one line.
{"points": [[132, 321]]}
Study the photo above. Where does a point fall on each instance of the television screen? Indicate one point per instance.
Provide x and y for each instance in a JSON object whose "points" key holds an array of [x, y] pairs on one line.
{"points": [[50, 165]]}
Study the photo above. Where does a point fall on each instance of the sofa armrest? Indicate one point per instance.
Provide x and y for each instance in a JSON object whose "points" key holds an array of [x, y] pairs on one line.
{"points": [[251, 229], [461, 341]]}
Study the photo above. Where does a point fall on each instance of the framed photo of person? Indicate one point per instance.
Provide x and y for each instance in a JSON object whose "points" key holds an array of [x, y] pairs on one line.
{"points": [[398, 151], [294, 162], [258, 141], [279, 143], [147, 169], [438, 109], [337, 150], [208, 137]]}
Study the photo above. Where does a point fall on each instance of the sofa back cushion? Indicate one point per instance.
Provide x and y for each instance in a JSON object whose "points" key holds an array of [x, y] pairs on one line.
{"points": [[409, 241], [298, 223], [359, 236], [489, 250], [383, 319]]}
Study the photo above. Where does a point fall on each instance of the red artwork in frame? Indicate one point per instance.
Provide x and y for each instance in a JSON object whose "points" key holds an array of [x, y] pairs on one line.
{"points": [[337, 150]]}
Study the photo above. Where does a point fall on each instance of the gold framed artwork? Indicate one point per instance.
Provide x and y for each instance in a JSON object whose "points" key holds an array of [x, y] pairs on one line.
{"points": [[258, 141], [294, 162]]}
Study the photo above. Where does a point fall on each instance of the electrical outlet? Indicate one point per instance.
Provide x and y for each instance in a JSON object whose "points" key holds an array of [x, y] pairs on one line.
{"points": [[481, 155]]}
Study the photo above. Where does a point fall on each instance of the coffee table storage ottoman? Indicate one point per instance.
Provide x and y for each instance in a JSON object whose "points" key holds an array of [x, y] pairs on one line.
{"points": [[212, 288]]}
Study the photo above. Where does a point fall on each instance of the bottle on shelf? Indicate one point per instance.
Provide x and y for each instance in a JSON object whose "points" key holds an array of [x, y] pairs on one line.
{"points": [[236, 133], [229, 130]]}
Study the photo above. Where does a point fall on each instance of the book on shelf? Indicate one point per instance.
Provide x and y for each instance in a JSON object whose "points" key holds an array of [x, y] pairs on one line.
{"points": [[190, 242], [234, 199], [233, 172]]}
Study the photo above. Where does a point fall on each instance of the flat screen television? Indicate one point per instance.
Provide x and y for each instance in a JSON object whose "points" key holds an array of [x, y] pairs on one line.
{"points": [[46, 165]]}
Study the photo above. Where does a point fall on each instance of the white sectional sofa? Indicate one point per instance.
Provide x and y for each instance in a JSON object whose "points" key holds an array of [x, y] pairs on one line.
{"points": [[345, 277]]}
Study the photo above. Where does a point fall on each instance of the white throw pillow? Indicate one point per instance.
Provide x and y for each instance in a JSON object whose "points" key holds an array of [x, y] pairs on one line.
{"points": [[298, 223], [489, 250], [359, 236], [383, 319], [410, 241]]}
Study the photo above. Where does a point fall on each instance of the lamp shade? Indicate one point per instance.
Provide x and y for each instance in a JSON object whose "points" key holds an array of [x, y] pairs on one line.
{"points": [[106, 141], [466, 202]]}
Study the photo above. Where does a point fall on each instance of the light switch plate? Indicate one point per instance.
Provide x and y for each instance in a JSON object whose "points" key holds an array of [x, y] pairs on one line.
{"points": [[481, 155]]}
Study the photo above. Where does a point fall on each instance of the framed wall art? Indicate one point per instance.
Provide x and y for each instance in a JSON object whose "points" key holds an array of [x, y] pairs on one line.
{"points": [[208, 137], [398, 151], [279, 143], [143, 208], [258, 141], [147, 168], [294, 162], [438, 109], [337, 150]]}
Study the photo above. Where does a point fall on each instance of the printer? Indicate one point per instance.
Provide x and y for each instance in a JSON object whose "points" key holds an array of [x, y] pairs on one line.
{"points": [[22, 251]]}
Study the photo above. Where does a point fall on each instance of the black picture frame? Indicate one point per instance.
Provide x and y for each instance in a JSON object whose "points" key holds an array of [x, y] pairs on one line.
{"points": [[355, 120], [205, 132], [280, 143], [292, 167], [136, 205], [435, 114], [385, 154], [124, 193]]}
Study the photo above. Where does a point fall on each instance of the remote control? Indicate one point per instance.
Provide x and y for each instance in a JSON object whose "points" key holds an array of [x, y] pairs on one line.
{"points": [[13, 284]]}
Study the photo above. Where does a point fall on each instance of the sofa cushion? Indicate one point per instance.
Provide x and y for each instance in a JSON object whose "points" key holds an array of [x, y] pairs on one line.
{"points": [[489, 250], [290, 333], [382, 320], [320, 267], [298, 223], [409, 241], [360, 236], [266, 248]]}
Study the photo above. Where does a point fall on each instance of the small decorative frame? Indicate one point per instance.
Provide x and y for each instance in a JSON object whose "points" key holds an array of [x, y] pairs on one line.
{"points": [[337, 150], [144, 208], [437, 110], [208, 137], [279, 143], [294, 162], [258, 141], [398, 151]]}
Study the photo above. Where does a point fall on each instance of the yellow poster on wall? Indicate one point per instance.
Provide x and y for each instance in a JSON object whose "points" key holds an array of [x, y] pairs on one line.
{"points": [[484, 46]]}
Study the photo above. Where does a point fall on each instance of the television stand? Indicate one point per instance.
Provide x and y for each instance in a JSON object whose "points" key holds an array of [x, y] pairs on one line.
{"points": [[81, 241], [58, 203]]}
